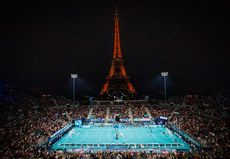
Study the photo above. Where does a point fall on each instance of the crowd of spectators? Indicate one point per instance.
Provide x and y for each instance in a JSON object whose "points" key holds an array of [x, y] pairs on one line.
{"points": [[202, 119], [128, 155], [210, 132], [157, 110], [121, 111], [190, 99], [98, 112], [79, 111], [139, 111], [25, 120], [61, 100]]}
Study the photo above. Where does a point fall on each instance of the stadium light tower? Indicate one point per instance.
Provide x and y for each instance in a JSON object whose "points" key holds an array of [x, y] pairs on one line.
{"points": [[74, 76], [164, 74]]}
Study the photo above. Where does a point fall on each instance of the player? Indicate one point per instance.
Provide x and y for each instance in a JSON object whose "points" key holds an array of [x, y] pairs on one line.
{"points": [[117, 135]]}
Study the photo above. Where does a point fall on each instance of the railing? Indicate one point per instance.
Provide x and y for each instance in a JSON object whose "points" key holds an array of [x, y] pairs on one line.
{"points": [[120, 125], [124, 145]]}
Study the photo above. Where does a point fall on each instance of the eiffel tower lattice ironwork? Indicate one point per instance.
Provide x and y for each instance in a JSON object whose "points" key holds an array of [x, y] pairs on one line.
{"points": [[117, 81]]}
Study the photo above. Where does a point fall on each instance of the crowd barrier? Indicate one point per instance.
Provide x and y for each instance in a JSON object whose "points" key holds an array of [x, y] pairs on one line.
{"points": [[97, 120], [124, 145], [119, 125], [59, 134]]}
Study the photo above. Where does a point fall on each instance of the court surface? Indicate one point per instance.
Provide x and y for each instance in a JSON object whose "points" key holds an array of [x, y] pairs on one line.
{"points": [[160, 137]]}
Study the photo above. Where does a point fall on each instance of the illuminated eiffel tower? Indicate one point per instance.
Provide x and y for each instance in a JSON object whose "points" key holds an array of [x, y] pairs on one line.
{"points": [[117, 82]]}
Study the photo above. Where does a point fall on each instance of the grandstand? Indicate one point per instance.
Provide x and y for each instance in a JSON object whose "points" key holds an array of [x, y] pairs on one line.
{"points": [[50, 126]]}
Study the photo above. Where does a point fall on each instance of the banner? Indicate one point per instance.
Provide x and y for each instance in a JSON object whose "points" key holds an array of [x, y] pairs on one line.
{"points": [[142, 119], [163, 118], [78, 123]]}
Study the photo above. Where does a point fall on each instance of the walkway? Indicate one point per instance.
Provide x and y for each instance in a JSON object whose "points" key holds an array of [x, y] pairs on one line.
{"points": [[131, 114], [148, 112], [90, 113], [107, 114]]}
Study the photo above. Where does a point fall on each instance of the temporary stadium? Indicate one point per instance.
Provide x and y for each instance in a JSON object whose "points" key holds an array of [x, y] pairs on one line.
{"points": [[118, 122]]}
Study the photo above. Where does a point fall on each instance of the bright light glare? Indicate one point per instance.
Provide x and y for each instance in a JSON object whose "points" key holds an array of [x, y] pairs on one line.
{"points": [[164, 73], [73, 75]]}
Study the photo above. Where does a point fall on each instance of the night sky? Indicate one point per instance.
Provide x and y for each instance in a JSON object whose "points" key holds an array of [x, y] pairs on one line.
{"points": [[43, 43]]}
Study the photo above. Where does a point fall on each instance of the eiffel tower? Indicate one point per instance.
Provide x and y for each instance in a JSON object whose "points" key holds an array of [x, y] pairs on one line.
{"points": [[117, 82]]}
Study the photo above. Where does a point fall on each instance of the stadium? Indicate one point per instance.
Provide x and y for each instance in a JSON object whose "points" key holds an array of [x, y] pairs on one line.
{"points": [[52, 127], [119, 121]]}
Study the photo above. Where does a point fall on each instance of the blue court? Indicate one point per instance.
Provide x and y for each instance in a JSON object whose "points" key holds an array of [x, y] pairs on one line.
{"points": [[129, 137]]}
